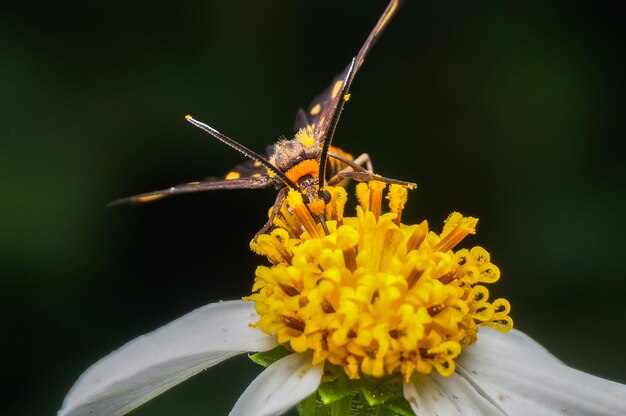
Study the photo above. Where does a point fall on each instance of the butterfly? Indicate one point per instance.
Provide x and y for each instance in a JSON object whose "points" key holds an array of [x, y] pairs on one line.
{"points": [[305, 163]]}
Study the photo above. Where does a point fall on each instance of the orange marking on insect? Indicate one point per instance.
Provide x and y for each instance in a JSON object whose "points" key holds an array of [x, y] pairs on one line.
{"points": [[232, 175], [149, 198], [336, 88], [257, 164], [193, 183], [306, 167], [316, 109]]}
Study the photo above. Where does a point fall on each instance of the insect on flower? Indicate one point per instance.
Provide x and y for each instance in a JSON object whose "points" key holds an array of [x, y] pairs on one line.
{"points": [[305, 163]]}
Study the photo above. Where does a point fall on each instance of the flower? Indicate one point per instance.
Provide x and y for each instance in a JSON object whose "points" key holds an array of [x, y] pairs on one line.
{"points": [[375, 296], [363, 301]]}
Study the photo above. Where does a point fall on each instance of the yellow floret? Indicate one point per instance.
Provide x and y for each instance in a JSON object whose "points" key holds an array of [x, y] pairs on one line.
{"points": [[374, 296]]}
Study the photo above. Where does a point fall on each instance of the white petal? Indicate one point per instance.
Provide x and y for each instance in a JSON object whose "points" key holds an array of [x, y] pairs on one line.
{"points": [[280, 387], [452, 396], [153, 363], [522, 378]]}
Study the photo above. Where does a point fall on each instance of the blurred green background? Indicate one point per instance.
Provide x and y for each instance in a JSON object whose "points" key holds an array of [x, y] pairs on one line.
{"points": [[509, 111]]}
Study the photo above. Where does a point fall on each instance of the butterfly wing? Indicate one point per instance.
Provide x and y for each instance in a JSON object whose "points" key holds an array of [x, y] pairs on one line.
{"points": [[250, 168], [323, 114], [324, 108], [322, 105], [208, 184], [247, 175]]}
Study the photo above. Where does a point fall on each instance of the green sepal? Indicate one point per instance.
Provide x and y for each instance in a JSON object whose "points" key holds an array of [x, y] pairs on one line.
{"points": [[380, 390], [399, 406], [354, 404], [342, 406], [338, 388], [265, 358], [311, 406], [338, 395], [383, 411]]}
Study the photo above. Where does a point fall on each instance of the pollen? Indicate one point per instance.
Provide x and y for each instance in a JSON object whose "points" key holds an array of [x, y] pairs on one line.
{"points": [[374, 296], [306, 137]]}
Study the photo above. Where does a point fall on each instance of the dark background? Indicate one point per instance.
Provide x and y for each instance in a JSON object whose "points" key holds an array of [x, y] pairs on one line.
{"points": [[509, 112]]}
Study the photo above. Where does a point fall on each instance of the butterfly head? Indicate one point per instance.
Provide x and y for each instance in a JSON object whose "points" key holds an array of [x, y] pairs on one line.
{"points": [[298, 158], [314, 198]]}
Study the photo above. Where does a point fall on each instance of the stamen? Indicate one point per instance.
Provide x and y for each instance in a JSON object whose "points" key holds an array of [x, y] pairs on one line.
{"points": [[414, 277], [294, 323], [374, 296], [271, 246], [289, 290], [347, 240], [397, 197], [327, 306], [338, 198], [342, 198], [349, 258], [376, 196], [462, 227], [363, 196], [501, 319], [435, 309], [291, 221], [294, 200], [416, 239], [448, 277]]}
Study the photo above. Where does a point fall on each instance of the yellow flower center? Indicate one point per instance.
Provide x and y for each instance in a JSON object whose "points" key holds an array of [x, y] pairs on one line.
{"points": [[374, 296]]}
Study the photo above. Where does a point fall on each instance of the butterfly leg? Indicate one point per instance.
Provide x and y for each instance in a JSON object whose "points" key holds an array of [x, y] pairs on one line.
{"points": [[369, 176], [364, 159], [356, 171], [356, 164], [280, 198]]}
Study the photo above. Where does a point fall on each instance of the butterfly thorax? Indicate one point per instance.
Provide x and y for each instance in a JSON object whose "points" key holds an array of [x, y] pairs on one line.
{"points": [[289, 153], [299, 157]]}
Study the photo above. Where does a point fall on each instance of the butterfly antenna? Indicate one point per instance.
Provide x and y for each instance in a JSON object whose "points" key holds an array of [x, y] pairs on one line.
{"points": [[345, 96], [244, 150], [356, 63]]}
